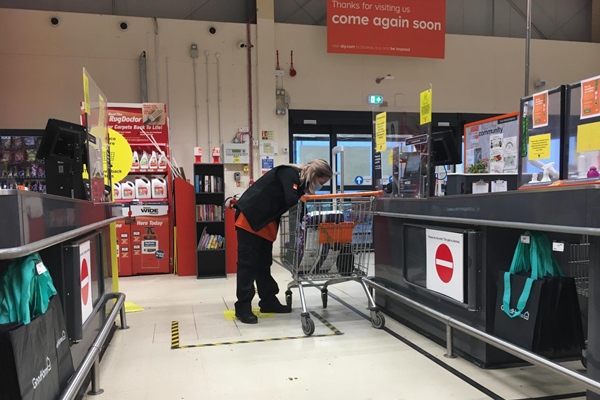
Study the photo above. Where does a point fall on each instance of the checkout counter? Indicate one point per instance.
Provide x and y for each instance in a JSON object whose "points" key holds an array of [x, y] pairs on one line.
{"points": [[474, 237]]}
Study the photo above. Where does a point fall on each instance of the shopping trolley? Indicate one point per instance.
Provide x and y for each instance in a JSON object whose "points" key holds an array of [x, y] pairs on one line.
{"points": [[325, 240]]}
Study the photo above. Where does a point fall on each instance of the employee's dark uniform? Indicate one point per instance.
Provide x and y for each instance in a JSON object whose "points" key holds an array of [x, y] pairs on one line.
{"points": [[257, 219]]}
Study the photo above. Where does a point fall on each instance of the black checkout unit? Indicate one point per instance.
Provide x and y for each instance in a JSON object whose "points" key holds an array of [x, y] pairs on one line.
{"points": [[71, 233], [408, 218]]}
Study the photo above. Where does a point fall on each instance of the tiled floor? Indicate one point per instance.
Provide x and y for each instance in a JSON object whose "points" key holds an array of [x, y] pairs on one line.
{"points": [[362, 364]]}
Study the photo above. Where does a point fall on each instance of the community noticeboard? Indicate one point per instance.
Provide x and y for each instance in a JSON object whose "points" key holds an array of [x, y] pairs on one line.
{"points": [[408, 28]]}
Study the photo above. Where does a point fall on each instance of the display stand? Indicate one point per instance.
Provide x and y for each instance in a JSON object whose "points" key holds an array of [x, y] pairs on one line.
{"points": [[210, 219]]}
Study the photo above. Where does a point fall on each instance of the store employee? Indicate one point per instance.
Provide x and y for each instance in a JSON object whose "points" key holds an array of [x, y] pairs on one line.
{"points": [[257, 220]]}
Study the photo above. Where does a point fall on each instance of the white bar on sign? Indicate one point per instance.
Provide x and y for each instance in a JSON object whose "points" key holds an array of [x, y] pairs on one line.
{"points": [[444, 263]]}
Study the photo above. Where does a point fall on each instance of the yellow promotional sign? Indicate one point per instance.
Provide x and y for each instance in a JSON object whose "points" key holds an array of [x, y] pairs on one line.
{"points": [[101, 112], [381, 132], [588, 137], [539, 147], [121, 156], [86, 93], [426, 107], [391, 157]]}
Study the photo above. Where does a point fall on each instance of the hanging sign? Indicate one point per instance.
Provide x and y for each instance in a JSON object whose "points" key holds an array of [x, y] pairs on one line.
{"points": [[425, 107], [590, 103], [408, 28], [540, 110], [380, 132]]}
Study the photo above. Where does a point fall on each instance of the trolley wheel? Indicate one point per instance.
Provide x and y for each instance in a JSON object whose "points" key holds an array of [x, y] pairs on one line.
{"points": [[308, 326], [377, 319], [288, 298], [324, 297]]}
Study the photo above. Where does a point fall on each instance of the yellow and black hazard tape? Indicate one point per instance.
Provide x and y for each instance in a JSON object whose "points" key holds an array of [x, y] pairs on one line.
{"points": [[175, 336], [327, 324]]}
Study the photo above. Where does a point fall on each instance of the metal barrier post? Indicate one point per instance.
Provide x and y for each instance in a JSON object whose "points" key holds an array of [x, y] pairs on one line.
{"points": [[123, 318], [449, 343], [96, 390]]}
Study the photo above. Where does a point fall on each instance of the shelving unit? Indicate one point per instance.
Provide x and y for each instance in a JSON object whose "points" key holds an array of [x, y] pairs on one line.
{"points": [[210, 263]]}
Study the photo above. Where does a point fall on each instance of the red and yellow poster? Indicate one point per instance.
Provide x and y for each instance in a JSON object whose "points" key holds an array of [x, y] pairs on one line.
{"points": [[540, 110], [408, 28], [590, 106]]}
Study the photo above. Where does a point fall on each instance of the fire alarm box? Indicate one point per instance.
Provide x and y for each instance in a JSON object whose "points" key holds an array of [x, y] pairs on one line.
{"points": [[236, 153]]}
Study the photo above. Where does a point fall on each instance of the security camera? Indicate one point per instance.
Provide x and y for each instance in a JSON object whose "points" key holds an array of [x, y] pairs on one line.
{"points": [[123, 26], [55, 21], [212, 30], [242, 45]]}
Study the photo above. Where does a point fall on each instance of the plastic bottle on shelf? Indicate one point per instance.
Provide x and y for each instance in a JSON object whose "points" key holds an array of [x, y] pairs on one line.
{"points": [[117, 191], [162, 162], [127, 190], [143, 188], [135, 164], [153, 161], [144, 161], [159, 188]]}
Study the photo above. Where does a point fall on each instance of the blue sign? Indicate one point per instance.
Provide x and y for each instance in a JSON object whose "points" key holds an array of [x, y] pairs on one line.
{"points": [[159, 254], [359, 180], [267, 163], [391, 176]]}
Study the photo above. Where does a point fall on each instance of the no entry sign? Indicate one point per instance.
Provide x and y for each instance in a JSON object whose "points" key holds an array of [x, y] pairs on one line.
{"points": [[445, 263], [85, 273]]}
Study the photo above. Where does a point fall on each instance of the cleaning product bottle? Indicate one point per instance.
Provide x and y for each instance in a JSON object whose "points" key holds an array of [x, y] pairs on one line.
{"points": [[153, 161], [159, 188], [117, 191], [135, 164], [144, 161], [162, 162], [127, 190], [142, 188]]}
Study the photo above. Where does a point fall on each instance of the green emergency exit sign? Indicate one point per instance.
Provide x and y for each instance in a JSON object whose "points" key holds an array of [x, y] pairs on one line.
{"points": [[375, 99]]}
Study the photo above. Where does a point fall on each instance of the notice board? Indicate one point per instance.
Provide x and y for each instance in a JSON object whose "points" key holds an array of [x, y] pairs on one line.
{"points": [[492, 145]]}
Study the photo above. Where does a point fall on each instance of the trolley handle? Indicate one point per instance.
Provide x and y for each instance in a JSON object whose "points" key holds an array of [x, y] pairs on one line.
{"points": [[377, 193]]}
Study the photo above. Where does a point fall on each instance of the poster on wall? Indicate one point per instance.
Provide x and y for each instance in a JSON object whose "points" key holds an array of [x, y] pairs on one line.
{"points": [[266, 164], [590, 101], [491, 145], [408, 28]]}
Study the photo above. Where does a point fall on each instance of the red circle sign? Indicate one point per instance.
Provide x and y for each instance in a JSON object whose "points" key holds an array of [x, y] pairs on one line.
{"points": [[85, 282], [444, 263]]}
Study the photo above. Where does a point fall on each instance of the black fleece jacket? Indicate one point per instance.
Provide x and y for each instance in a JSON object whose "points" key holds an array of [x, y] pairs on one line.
{"points": [[271, 196]]}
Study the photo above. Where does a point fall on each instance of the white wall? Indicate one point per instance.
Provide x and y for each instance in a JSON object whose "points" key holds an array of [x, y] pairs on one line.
{"points": [[40, 73]]}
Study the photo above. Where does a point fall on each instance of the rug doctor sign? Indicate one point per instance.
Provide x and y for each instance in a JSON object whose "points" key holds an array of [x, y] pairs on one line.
{"points": [[408, 28]]}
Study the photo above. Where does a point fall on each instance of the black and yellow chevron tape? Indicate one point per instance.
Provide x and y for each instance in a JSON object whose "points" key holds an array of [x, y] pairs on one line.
{"points": [[175, 336]]}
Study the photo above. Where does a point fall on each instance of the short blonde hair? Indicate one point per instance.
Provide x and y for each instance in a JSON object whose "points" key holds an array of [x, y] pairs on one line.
{"points": [[313, 170]]}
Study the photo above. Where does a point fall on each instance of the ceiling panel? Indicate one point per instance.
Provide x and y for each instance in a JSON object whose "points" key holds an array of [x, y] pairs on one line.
{"points": [[284, 9], [316, 9]]}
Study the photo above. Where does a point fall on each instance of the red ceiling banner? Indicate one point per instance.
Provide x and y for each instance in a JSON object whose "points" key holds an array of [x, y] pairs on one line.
{"points": [[408, 28]]}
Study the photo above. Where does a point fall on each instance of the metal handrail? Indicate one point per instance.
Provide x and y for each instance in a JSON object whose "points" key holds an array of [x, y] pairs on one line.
{"points": [[508, 347], [91, 359], [576, 230], [21, 251]]}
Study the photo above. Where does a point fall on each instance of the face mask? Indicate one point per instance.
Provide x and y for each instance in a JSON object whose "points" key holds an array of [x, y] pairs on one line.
{"points": [[318, 186]]}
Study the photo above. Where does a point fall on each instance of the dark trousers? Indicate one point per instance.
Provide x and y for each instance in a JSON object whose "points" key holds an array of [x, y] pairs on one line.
{"points": [[255, 256]]}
